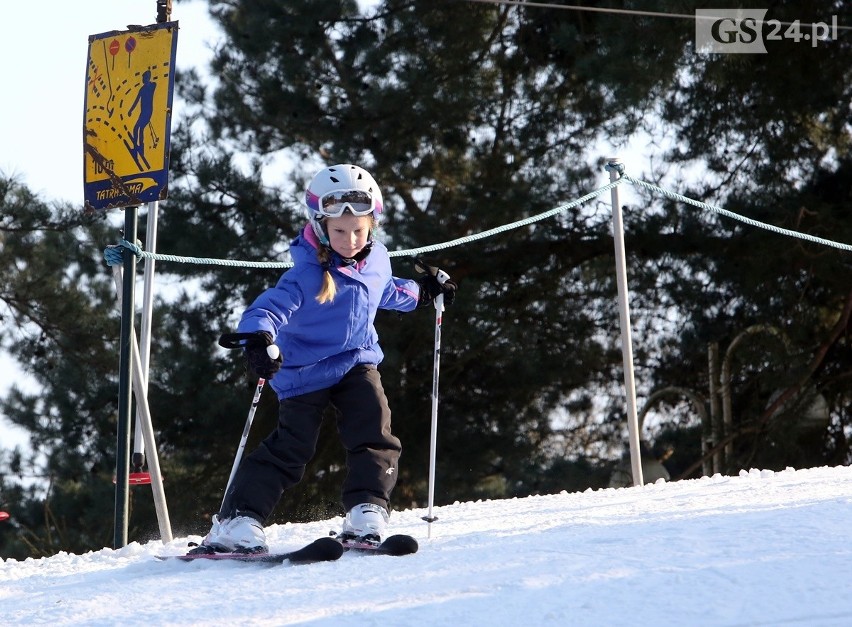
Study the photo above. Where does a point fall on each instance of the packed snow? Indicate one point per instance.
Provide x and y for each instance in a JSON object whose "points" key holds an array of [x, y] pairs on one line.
{"points": [[761, 548]]}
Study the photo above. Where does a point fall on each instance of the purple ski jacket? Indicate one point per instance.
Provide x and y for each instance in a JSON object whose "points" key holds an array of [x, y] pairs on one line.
{"points": [[321, 342]]}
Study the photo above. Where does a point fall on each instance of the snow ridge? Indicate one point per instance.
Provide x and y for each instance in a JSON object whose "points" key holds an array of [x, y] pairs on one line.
{"points": [[761, 548]]}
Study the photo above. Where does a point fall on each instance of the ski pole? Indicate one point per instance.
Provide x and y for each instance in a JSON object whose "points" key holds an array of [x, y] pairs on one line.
{"points": [[232, 340], [442, 277]]}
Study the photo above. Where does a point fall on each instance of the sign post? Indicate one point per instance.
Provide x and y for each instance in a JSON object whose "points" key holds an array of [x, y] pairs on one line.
{"points": [[616, 167], [126, 137]]}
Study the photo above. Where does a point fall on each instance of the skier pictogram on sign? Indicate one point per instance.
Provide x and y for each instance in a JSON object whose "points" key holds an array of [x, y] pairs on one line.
{"points": [[126, 131], [145, 103]]}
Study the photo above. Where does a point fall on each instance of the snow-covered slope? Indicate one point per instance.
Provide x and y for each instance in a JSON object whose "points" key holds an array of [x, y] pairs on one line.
{"points": [[762, 548]]}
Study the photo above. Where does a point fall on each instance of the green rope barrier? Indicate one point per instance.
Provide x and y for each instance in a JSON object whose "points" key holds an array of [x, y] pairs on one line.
{"points": [[113, 254], [736, 216], [507, 227]]}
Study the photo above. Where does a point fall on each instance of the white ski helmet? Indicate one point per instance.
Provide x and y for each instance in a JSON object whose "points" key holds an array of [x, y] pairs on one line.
{"points": [[340, 188]]}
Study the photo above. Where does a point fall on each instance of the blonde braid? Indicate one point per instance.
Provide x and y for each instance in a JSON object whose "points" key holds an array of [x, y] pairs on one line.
{"points": [[329, 288]]}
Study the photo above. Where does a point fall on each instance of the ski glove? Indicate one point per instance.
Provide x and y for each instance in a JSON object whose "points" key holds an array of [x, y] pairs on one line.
{"points": [[431, 288], [259, 360]]}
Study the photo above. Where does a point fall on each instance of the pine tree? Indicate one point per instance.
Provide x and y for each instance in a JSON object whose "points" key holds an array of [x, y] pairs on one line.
{"points": [[470, 116]]}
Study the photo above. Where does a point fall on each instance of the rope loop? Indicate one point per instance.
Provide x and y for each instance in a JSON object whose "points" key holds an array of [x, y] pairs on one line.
{"points": [[616, 166], [114, 254]]}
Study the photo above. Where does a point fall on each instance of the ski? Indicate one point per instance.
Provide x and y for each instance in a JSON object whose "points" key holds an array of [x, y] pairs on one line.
{"points": [[397, 545], [322, 550]]}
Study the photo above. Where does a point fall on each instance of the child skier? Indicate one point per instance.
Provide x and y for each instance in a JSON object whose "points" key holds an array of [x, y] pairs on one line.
{"points": [[320, 315]]}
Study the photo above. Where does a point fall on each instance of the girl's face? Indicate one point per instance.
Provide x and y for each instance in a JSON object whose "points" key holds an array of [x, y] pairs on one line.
{"points": [[348, 234]]}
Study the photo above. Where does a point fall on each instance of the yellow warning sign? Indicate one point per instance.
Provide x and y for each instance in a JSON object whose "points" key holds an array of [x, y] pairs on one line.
{"points": [[127, 121]]}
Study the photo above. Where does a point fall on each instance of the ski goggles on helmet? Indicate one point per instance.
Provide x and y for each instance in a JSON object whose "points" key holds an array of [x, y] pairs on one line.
{"points": [[333, 204]]}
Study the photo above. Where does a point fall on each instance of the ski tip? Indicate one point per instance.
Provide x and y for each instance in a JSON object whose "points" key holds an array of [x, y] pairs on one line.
{"points": [[399, 545], [321, 550]]}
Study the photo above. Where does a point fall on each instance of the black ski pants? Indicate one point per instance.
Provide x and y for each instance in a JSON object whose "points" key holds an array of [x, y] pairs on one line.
{"points": [[364, 425]]}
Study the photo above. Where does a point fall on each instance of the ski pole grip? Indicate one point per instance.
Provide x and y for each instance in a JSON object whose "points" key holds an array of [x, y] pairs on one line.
{"points": [[273, 351], [423, 268], [241, 340]]}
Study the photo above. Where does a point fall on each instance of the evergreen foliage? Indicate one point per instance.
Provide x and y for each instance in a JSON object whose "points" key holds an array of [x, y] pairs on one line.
{"points": [[470, 116]]}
